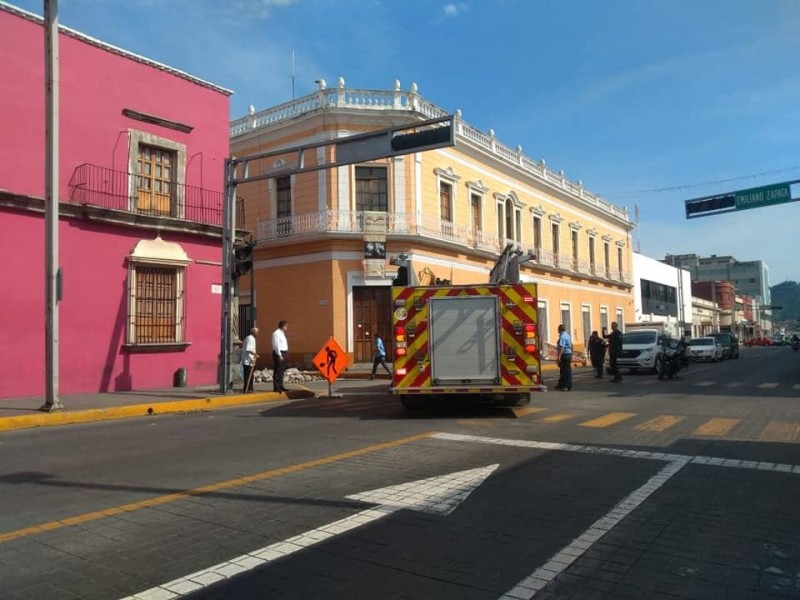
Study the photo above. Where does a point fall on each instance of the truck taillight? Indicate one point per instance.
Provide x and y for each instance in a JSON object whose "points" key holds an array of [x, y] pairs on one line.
{"points": [[401, 352], [400, 341], [530, 348]]}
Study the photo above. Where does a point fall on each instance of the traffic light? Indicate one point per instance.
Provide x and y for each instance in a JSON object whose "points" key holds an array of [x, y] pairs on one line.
{"points": [[402, 276], [698, 208], [242, 259]]}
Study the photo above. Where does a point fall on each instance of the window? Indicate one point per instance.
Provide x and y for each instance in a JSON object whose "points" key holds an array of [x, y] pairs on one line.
{"points": [[284, 197], [446, 201], [604, 328], [158, 314], [621, 320], [537, 232], [509, 210], [372, 189], [619, 260], [586, 316], [475, 201], [541, 317], [555, 243], [155, 181], [607, 258], [500, 221], [156, 302], [591, 255], [566, 317], [574, 236]]}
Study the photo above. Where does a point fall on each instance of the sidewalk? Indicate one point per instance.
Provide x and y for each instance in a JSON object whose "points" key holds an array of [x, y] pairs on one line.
{"points": [[24, 413]]}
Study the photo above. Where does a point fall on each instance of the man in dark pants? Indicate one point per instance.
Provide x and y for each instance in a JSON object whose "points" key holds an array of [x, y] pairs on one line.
{"points": [[280, 349], [615, 351], [380, 357], [564, 360]]}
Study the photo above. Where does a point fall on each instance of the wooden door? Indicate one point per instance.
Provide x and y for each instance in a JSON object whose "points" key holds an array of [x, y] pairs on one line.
{"points": [[372, 315]]}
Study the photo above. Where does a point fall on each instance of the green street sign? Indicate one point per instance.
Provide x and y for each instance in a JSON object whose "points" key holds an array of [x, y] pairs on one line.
{"points": [[767, 195]]}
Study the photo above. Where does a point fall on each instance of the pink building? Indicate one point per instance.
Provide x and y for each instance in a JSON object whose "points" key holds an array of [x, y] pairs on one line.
{"points": [[142, 152]]}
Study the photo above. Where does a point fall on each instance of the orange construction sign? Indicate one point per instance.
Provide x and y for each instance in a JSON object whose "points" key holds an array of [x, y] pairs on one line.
{"points": [[331, 360]]}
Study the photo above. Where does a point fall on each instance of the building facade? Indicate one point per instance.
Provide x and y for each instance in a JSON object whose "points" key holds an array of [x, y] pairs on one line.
{"points": [[749, 278], [662, 295], [142, 151], [325, 239]]}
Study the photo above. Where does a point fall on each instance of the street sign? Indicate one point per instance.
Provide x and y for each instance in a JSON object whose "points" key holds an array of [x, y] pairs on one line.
{"points": [[768, 195], [331, 360]]}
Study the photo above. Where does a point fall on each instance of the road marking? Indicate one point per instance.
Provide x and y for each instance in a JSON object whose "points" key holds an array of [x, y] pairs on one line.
{"points": [[609, 419], [558, 563], [716, 427], [734, 384], [557, 418], [767, 386], [778, 431], [199, 491], [660, 423], [438, 495], [528, 410], [705, 383]]}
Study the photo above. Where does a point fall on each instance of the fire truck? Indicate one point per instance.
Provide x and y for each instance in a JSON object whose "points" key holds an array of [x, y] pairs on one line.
{"points": [[468, 340]]}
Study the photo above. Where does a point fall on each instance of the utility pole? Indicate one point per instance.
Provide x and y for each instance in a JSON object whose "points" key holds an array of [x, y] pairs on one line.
{"points": [[228, 238], [52, 275]]}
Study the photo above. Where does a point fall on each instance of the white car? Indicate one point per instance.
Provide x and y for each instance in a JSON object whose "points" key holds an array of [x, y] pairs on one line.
{"points": [[705, 348]]}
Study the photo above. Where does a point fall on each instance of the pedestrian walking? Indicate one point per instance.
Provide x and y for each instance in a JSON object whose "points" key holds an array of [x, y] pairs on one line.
{"points": [[564, 360], [380, 357], [249, 357], [615, 351], [280, 351], [597, 353]]}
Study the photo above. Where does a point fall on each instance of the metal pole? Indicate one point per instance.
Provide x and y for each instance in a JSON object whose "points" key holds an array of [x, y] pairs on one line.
{"points": [[51, 271], [228, 235]]}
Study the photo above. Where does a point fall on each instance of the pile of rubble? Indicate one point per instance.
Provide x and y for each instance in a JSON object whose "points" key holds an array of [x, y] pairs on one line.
{"points": [[290, 376]]}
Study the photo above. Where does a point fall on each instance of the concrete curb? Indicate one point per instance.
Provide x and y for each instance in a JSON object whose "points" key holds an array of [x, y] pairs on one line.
{"points": [[128, 411]]}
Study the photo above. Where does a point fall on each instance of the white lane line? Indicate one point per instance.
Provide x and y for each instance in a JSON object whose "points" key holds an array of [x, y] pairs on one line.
{"points": [[438, 495], [558, 563], [705, 383], [768, 386], [699, 459]]}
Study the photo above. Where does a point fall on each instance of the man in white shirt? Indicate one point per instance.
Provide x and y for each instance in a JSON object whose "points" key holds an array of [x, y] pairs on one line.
{"points": [[249, 357], [280, 350]]}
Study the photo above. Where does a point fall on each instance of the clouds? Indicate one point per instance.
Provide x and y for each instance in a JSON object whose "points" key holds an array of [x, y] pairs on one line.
{"points": [[451, 10]]}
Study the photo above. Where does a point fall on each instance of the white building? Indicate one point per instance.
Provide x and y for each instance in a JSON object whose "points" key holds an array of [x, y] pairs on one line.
{"points": [[662, 296]]}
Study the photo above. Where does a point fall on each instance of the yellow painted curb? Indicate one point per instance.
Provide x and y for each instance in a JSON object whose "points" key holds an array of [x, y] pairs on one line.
{"points": [[142, 410]]}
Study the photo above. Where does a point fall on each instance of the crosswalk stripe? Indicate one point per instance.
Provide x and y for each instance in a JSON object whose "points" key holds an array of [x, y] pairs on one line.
{"points": [[609, 419], [767, 386], [705, 383], [716, 427], [558, 417], [779, 431], [660, 423], [528, 410]]}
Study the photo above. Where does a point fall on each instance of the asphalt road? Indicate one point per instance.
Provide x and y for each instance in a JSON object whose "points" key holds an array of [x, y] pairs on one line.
{"points": [[684, 488]]}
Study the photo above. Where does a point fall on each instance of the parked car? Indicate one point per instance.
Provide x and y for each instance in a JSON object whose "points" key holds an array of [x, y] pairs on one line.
{"points": [[729, 343], [759, 342], [641, 349], [705, 348]]}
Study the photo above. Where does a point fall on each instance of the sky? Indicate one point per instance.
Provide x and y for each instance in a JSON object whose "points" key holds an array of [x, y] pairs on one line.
{"points": [[648, 102]]}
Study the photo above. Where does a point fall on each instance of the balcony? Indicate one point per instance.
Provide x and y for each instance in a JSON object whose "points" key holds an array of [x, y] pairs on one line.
{"points": [[347, 223], [92, 185]]}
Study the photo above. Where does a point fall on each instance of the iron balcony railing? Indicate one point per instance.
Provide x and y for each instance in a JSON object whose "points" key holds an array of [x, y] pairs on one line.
{"points": [[352, 222], [94, 185]]}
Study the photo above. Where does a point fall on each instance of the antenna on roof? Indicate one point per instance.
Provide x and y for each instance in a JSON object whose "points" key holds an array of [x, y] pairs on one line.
{"points": [[292, 73]]}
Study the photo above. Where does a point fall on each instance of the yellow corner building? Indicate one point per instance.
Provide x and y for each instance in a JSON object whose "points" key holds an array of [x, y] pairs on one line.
{"points": [[319, 260]]}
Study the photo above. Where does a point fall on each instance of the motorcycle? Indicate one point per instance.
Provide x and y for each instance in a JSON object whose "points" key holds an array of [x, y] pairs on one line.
{"points": [[674, 357]]}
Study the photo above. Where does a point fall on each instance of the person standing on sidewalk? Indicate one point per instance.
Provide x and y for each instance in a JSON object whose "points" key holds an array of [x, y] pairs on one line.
{"points": [[380, 357], [597, 353], [564, 360], [249, 357], [615, 350], [280, 350]]}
